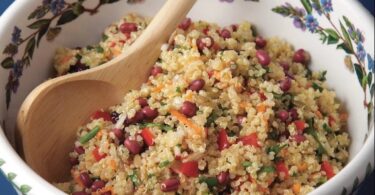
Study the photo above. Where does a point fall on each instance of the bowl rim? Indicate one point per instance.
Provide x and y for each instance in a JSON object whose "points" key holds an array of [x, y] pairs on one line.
{"points": [[356, 165]]}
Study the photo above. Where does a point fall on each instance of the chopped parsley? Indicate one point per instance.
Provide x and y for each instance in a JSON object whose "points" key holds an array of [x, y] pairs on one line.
{"points": [[164, 163], [247, 164], [317, 87], [163, 127]]}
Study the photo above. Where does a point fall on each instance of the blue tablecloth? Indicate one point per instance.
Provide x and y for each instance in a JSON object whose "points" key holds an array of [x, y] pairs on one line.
{"points": [[366, 189]]}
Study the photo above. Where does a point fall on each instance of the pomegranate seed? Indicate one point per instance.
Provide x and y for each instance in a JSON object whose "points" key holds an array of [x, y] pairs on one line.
{"points": [[127, 27], [85, 179], [189, 109], [142, 102], [170, 185], [260, 42], [283, 115], [156, 70], [225, 34], [286, 84], [197, 85], [263, 57], [79, 149], [205, 42], [293, 113], [149, 113], [223, 178], [133, 146], [185, 24], [301, 56]]}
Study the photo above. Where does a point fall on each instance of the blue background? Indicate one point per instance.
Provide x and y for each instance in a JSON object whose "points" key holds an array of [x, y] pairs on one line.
{"points": [[367, 188]]}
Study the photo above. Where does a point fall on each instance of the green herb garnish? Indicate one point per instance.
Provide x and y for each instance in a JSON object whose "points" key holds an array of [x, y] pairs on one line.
{"points": [[134, 178], [211, 119], [84, 139], [99, 49], [163, 127], [311, 131], [276, 148], [178, 90], [322, 76], [317, 87], [104, 37], [267, 169], [210, 181], [327, 128], [246, 164], [164, 163]]}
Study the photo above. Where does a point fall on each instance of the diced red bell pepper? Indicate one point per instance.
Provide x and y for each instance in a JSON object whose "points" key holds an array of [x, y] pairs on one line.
{"points": [[300, 125], [326, 167], [97, 154], [251, 140], [147, 136], [262, 96], [100, 114], [189, 169], [299, 138], [222, 140], [281, 168], [331, 120]]}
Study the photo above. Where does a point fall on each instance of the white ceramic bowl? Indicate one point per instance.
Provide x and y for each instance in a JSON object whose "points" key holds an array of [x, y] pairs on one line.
{"points": [[17, 80]]}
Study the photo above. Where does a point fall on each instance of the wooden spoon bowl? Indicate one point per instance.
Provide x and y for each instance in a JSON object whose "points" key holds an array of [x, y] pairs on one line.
{"points": [[49, 117]]}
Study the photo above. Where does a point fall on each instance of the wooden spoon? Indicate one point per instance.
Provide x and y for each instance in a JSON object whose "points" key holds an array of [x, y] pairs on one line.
{"points": [[49, 116]]}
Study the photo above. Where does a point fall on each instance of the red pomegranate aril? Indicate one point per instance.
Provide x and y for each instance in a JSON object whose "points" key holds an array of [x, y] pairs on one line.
{"points": [[293, 114], [97, 185], [189, 109], [263, 57], [85, 179], [119, 133], [260, 42], [285, 65], [128, 27], [286, 84], [185, 24], [223, 178], [73, 161], [225, 33], [299, 138], [301, 56], [205, 42], [170, 185], [133, 146], [283, 115], [142, 102], [80, 193], [156, 70], [150, 113], [79, 149], [222, 140], [197, 85]]}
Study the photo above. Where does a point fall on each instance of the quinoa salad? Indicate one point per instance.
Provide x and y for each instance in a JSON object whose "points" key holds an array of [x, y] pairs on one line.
{"points": [[224, 111]]}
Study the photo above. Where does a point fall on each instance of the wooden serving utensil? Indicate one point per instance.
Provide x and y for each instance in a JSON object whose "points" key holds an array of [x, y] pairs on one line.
{"points": [[49, 116]]}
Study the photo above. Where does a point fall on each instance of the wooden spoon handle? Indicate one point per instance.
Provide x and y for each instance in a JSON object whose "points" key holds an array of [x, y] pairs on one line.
{"points": [[131, 69]]}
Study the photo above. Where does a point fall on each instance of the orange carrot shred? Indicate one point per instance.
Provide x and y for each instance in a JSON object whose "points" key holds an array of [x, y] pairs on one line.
{"points": [[182, 118]]}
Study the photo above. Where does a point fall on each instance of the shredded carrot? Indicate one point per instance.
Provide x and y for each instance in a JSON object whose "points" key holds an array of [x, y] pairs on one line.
{"points": [[115, 52], [103, 190], [77, 179], [319, 114], [180, 117], [189, 96], [99, 134], [243, 104], [158, 89], [302, 167], [296, 188], [261, 108], [344, 116], [262, 189], [112, 164]]}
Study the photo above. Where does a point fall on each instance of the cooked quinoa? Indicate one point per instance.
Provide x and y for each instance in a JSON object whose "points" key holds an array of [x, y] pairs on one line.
{"points": [[224, 111]]}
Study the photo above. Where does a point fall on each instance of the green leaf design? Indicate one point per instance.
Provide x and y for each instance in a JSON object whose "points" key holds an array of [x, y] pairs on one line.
{"points": [[364, 81], [345, 47], [333, 37], [359, 72], [372, 90], [317, 4], [344, 191], [53, 33], [67, 17], [25, 189], [43, 30], [11, 176], [323, 37], [40, 23], [346, 36], [30, 47], [11, 49], [307, 5], [2, 162], [347, 22], [355, 184], [107, 1], [369, 78], [281, 10], [368, 170], [8, 95], [78, 9], [7, 63], [39, 12]]}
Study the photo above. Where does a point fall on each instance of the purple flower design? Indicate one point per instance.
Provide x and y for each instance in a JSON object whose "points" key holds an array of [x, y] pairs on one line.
{"points": [[55, 5], [298, 23], [327, 5], [16, 35], [17, 68], [361, 52], [311, 23], [360, 36], [370, 63]]}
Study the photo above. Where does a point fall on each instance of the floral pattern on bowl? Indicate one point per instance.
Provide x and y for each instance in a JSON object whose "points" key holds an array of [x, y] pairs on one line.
{"points": [[50, 17]]}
